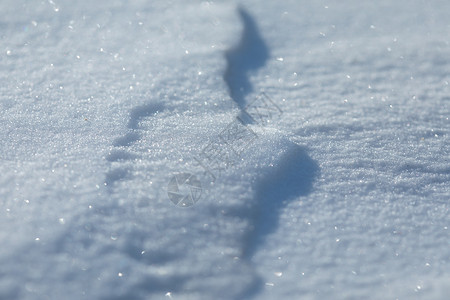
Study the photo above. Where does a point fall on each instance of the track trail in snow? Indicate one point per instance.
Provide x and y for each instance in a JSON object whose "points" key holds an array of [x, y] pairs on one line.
{"points": [[249, 55], [290, 176], [294, 172], [121, 153]]}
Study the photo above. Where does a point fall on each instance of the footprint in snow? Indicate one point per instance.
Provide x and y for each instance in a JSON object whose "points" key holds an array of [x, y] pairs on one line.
{"points": [[213, 242]]}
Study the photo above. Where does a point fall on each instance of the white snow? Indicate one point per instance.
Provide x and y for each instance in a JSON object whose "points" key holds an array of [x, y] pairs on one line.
{"points": [[343, 196]]}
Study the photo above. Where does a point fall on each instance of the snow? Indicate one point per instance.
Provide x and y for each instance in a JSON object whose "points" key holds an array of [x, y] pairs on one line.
{"points": [[344, 195]]}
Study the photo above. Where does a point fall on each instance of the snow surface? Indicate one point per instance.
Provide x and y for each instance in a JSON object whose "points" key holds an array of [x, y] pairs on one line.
{"points": [[345, 196]]}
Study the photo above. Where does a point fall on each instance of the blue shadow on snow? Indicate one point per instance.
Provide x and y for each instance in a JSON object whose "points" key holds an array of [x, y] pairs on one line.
{"points": [[250, 54], [292, 177]]}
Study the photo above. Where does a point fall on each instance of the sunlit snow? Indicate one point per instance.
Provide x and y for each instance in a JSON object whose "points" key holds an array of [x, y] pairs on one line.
{"points": [[224, 149]]}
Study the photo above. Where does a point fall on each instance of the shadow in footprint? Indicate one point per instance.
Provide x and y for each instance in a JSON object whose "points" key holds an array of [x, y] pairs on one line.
{"points": [[127, 139], [140, 112], [121, 155], [291, 178], [250, 54], [115, 175]]}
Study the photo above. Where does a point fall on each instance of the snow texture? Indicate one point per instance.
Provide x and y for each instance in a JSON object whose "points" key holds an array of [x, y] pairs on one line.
{"points": [[343, 195]]}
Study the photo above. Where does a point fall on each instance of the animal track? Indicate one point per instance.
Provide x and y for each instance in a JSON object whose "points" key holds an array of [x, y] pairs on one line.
{"points": [[249, 55], [294, 172], [120, 153], [143, 111], [127, 139], [291, 177]]}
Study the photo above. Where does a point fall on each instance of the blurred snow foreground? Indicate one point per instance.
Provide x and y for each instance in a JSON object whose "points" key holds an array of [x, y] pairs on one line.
{"points": [[315, 136]]}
